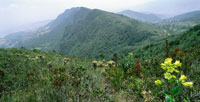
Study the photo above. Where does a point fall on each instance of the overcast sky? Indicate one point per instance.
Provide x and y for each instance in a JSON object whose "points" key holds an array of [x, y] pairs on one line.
{"points": [[21, 12]]}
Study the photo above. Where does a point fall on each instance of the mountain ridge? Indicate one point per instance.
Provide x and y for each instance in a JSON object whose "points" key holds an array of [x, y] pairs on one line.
{"points": [[88, 32], [193, 17], [150, 18]]}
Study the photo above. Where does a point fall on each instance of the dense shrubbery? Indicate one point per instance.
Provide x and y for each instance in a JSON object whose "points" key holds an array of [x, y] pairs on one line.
{"points": [[142, 82], [30, 76]]}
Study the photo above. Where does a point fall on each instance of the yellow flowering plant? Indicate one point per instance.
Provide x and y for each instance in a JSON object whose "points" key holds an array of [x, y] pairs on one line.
{"points": [[173, 84]]}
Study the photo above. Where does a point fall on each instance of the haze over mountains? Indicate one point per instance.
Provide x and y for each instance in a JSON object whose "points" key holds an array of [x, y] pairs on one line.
{"points": [[84, 31], [141, 16], [193, 17], [90, 32], [25, 27]]}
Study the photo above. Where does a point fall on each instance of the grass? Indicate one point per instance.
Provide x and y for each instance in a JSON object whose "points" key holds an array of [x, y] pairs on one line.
{"points": [[33, 75]]}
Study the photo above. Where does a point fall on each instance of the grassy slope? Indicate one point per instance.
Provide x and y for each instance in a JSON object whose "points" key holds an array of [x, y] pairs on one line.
{"points": [[27, 77]]}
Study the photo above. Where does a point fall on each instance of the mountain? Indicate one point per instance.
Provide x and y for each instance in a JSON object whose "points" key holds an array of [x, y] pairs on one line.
{"points": [[188, 40], [180, 23], [7, 43], [91, 32], [193, 17], [141, 16]]}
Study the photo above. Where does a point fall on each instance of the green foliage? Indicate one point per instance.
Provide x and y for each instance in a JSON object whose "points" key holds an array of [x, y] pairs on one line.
{"points": [[116, 77], [184, 41], [29, 76], [85, 32], [33, 75], [188, 17]]}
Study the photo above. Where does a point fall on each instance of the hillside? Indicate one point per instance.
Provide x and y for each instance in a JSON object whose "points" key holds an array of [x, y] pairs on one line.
{"points": [[87, 32], [33, 75], [184, 41], [193, 17], [150, 18]]}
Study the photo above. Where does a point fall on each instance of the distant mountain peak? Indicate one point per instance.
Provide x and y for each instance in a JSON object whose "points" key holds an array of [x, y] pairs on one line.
{"points": [[151, 18], [77, 8]]}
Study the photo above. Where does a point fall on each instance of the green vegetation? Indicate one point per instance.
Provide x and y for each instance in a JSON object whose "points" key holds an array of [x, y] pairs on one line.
{"points": [[86, 32], [173, 84], [176, 25], [174, 28], [30, 76], [184, 41], [187, 17], [33, 75]]}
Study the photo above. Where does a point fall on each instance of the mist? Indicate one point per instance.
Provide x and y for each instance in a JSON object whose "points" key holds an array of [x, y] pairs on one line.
{"points": [[19, 13]]}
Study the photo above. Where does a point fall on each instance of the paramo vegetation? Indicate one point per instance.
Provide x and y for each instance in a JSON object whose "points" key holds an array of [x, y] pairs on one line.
{"points": [[168, 71]]}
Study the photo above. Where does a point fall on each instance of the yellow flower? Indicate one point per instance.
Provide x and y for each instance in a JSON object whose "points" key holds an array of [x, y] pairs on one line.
{"points": [[168, 76], [173, 76], [188, 84], [182, 78], [130, 54], [168, 61], [176, 71], [178, 63], [163, 66], [158, 82], [170, 69]]}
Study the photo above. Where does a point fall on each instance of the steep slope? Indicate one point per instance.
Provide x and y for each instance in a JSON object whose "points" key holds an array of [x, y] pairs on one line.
{"points": [[193, 17], [49, 37], [141, 16], [185, 41], [87, 32]]}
